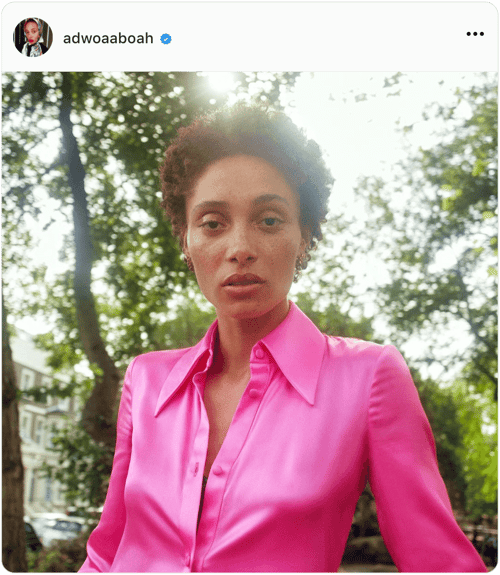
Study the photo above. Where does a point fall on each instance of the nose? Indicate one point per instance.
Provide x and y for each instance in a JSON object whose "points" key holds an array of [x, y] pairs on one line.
{"points": [[241, 247]]}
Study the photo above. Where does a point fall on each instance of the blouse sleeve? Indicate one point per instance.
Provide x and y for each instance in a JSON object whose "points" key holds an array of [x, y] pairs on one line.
{"points": [[104, 540], [414, 512]]}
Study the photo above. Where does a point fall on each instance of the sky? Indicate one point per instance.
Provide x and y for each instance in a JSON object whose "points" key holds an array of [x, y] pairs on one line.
{"points": [[354, 117]]}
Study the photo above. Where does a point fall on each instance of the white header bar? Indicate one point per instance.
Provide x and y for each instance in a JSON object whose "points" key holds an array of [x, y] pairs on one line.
{"points": [[264, 36]]}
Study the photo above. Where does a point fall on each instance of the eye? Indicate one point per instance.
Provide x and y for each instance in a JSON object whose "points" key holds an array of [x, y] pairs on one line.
{"points": [[211, 224], [271, 222]]}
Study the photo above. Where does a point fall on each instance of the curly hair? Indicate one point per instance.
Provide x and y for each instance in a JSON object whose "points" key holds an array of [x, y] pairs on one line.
{"points": [[254, 131]]}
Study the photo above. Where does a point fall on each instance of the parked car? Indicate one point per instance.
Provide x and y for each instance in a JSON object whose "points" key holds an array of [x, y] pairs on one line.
{"points": [[61, 529], [32, 540], [40, 520]]}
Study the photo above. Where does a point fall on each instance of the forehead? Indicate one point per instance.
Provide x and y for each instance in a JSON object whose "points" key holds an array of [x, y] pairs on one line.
{"points": [[31, 25], [241, 178]]}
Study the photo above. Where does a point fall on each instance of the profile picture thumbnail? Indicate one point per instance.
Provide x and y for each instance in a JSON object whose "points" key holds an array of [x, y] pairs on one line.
{"points": [[33, 37]]}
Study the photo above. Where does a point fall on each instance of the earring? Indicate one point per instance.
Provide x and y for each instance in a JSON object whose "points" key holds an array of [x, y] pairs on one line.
{"points": [[189, 262]]}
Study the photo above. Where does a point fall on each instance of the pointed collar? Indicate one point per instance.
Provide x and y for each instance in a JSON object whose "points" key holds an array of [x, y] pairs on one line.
{"points": [[186, 365], [296, 345]]}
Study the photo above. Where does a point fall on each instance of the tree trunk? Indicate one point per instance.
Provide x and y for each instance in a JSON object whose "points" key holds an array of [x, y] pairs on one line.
{"points": [[13, 533], [98, 414]]}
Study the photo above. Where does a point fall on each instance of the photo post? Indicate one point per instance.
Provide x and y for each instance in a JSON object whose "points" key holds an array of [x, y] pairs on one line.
{"points": [[250, 286]]}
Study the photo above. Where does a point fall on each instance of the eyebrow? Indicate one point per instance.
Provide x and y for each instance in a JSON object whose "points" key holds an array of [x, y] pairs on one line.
{"points": [[268, 198], [213, 205]]}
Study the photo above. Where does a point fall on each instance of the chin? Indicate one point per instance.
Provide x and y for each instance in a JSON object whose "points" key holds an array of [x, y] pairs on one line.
{"points": [[249, 309]]}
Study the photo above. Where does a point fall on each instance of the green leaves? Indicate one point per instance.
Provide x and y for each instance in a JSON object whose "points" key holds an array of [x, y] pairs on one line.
{"points": [[83, 465]]}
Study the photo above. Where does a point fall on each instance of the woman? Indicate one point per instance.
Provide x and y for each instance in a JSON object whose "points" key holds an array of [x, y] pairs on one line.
{"points": [[248, 452], [33, 34]]}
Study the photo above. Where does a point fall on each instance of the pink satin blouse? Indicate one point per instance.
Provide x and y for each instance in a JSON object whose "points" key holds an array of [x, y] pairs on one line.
{"points": [[319, 417]]}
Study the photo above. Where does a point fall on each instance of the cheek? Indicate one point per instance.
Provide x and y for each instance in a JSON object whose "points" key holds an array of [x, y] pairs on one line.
{"points": [[284, 256], [204, 254]]}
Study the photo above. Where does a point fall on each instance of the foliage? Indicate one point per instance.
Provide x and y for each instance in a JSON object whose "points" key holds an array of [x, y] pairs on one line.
{"points": [[332, 321], [60, 557], [13, 529], [187, 324], [123, 123], [84, 468], [479, 453], [435, 227]]}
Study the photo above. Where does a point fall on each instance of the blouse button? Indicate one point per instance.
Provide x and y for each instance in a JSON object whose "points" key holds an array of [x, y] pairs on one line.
{"points": [[217, 470], [187, 559], [259, 354], [253, 393]]}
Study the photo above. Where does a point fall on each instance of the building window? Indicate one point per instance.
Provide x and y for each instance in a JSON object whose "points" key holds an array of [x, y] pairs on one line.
{"points": [[39, 431], [26, 426], [32, 487], [48, 489], [49, 436], [58, 493], [27, 378]]}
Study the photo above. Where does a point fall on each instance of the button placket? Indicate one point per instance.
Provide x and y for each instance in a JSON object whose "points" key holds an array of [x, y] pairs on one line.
{"points": [[234, 441], [192, 486]]}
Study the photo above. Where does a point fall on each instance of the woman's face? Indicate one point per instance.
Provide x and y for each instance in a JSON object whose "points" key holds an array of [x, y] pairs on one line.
{"points": [[31, 31], [243, 236]]}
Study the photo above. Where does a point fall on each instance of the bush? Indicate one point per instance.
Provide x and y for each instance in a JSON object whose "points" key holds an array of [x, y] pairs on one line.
{"points": [[61, 557]]}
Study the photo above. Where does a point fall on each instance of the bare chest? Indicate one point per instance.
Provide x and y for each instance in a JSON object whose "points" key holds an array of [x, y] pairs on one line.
{"points": [[221, 400]]}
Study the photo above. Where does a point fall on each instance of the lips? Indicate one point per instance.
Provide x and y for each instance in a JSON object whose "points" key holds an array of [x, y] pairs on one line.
{"points": [[242, 280]]}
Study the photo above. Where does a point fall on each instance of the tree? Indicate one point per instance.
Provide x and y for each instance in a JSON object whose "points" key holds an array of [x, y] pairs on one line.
{"points": [[98, 414], [122, 123], [13, 533], [332, 321], [477, 417], [441, 247]]}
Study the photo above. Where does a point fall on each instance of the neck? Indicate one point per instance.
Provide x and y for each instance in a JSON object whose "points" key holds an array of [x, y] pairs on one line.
{"points": [[238, 336]]}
